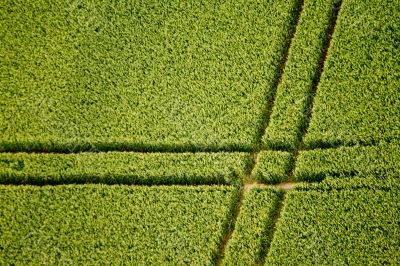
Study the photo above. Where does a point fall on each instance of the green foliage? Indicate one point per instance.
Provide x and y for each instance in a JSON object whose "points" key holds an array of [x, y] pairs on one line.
{"points": [[354, 182], [294, 94], [379, 161], [123, 168], [197, 76], [272, 166], [358, 99], [96, 224], [160, 75], [338, 227], [251, 230]]}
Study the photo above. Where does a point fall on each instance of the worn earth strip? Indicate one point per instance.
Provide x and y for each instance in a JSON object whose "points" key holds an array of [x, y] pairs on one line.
{"points": [[254, 155]]}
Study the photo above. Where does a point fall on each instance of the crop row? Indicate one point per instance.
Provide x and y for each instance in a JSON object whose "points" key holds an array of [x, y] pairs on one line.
{"points": [[358, 98], [196, 75], [139, 75], [352, 183], [123, 168], [349, 221], [330, 226], [272, 166], [86, 224], [294, 94], [196, 168], [250, 237], [380, 161]]}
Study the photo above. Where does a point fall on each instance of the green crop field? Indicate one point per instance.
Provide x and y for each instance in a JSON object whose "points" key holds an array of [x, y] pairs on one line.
{"points": [[80, 224], [294, 92], [200, 132], [379, 161], [122, 168], [251, 230], [132, 74], [358, 99], [338, 226], [272, 166]]}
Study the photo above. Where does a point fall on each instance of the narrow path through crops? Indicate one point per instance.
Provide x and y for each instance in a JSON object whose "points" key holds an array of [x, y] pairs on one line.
{"points": [[315, 85], [268, 110], [246, 180], [327, 46], [272, 230], [287, 185], [254, 155], [309, 113], [228, 234]]}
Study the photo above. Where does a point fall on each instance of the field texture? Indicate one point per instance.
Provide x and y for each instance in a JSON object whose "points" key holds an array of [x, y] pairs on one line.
{"points": [[123, 168], [200, 132], [272, 166], [250, 237], [138, 75], [86, 224], [378, 161], [358, 98], [338, 226], [289, 115]]}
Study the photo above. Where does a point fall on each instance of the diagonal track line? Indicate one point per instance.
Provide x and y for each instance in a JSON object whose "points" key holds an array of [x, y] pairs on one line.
{"points": [[265, 118]]}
